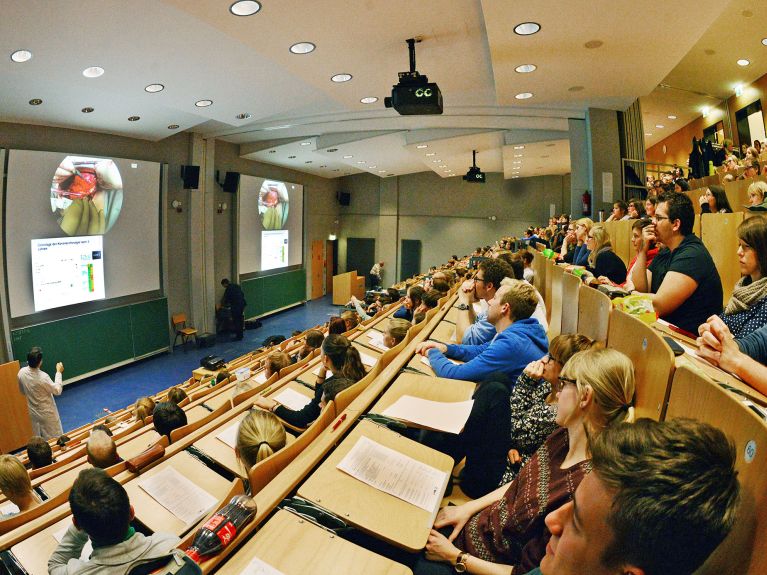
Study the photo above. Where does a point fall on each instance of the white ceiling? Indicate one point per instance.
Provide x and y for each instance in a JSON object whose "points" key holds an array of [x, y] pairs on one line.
{"points": [[199, 50]]}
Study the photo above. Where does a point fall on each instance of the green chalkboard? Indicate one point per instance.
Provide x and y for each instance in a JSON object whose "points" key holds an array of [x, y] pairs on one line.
{"points": [[93, 341], [268, 293]]}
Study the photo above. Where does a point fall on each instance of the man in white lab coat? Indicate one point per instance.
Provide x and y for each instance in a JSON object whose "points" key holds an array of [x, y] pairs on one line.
{"points": [[39, 390]]}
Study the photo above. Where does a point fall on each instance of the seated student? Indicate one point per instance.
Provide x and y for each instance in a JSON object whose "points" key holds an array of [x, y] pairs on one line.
{"points": [[351, 319], [429, 301], [681, 186], [517, 268], [332, 388], [16, 485], [527, 260], [358, 307], [101, 450], [176, 395], [756, 197], [602, 260], [746, 357], [337, 326], [520, 339], [144, 408], [39, 452], [472, 328], [649, 206], [341, 359], [751, 171], [393, 294], [505, 528], [312, 341], [620, 212], [682, 279], [636, 209], [581, 253], [666, 524], [440, 285], [412, 301], [168, 416], [747, 309], [636, 241], [260, 434], [715, 201], [275, 361], [568, 244], [395, 332], [102, 512]]}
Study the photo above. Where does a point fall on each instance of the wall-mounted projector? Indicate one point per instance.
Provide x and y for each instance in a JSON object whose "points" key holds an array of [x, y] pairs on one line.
{"points": [[414, 94], [475, 175]]}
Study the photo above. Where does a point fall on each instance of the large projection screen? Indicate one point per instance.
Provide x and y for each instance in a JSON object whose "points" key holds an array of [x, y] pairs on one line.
{"points": [[270, 231], [57, 195]]}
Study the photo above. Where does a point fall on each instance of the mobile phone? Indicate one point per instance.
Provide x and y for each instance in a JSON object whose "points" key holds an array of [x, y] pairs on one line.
{"points": [[675, 347]]}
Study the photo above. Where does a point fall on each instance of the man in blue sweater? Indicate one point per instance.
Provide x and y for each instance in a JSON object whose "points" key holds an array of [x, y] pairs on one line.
{"points": [[520, 339]]}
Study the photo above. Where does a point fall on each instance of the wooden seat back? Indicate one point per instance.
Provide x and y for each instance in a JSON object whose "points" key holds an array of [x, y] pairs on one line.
{"points": [[571, 286], [185, 430], [593, 313], [555, 304], [719, 235]]}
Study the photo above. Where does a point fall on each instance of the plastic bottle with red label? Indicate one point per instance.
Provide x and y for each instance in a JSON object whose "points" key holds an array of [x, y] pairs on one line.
{"points": [[219, 531]]}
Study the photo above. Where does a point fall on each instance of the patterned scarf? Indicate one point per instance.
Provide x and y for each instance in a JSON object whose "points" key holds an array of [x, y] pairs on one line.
{"points": [[745, 296]]}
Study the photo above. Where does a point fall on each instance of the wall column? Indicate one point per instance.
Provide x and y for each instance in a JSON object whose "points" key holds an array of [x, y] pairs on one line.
{"points": [[580, 166], [387, 246], [603, 141]]}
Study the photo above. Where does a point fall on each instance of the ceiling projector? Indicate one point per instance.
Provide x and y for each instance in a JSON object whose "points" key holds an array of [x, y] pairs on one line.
{"points": [[414, 94], [474, 175]]}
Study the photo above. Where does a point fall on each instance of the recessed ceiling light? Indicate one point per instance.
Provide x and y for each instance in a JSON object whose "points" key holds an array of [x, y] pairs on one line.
{"points": [[764, 41], [243, 116], [302, 48], [348, 156], [648, 133], [517, 162], [269, 128], [519, 147], [739, 90], [93, 72], [443, 166], [527, 28], [134, 118], [291, 157], [524, 96], [446, 171], [372, 167], [422, 146], [173, 127], [369, 100], [517, 155], [526, 68], [381, 171], [430, 154], [436, 161], [87, 110], [35, 102], [306, 143], [203, 103], [514, 177], [332, 150], [671, 117], [245, 8], [20, 56], [705, 112], [338, 78], [660, 126], [154, 88], [743, 62], [591, 44], [361, 161], [575, 88]]}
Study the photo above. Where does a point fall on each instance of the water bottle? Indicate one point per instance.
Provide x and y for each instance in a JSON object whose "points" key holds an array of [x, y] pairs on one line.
{"points": [[219, 531]]}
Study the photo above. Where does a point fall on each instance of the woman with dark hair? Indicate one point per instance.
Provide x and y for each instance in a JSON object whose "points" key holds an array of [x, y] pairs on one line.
{"points": [[412, 302], [341, 359], [336, 325], [715, 200], [649, 205], [681, 185], [636, 209], [747, 309]]}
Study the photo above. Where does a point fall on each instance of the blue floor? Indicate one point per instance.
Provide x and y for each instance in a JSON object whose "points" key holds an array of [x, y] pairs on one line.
{"points": [[84, 401]]}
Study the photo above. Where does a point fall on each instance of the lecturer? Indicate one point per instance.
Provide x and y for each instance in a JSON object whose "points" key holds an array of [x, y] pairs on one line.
{"points": [[39, 390], [234, 299]]}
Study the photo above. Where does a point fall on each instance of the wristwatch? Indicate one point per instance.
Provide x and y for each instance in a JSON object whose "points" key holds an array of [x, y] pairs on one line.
{"points": [[461, 306], [460, 563]]}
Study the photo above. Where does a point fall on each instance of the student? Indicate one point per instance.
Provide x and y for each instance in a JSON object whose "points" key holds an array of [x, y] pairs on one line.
{"points": [[260, 435], [715, 201], [39, 452], [412, 301], [472, 328], [336, 326], [395, 332], [39, 389], [16, 485], [144, 408], [620, 212], [312, 341], [756, 197], [666, 524], [636, 242], [351, 319], [176, 395], [168, 416], [602, 260], [101, 450], [527, 259], [102, 512], [636, 209], [581, 252]]}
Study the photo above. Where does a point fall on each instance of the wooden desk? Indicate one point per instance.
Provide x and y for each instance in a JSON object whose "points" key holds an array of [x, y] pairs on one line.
{"points": [[62, 482], [138, 444], [370, 351], [33, 553], [452, 315], [425, 387], [154, 515], [417, 364], [368, 509], [295, 546], [444, 332]]}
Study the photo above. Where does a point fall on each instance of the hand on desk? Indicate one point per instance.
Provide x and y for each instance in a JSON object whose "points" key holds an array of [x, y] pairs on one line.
{"points": [[427, 345], [439, 548], [265, 403], [457, 516], [717, 344]]}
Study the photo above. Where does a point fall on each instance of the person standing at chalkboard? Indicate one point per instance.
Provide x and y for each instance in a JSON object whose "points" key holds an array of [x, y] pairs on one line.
{"points": [[234, 299], [39, 390]]}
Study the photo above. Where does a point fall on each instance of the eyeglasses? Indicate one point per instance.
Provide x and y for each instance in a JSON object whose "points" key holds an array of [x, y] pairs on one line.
{"points": [[590, 237], [562, 382], [479, 280], [549, 358], [659, 218]]}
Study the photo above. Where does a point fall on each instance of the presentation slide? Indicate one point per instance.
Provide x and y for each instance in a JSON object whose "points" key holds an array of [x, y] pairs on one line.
{"points": [[270, 229], [67, 271], [50, 196]]}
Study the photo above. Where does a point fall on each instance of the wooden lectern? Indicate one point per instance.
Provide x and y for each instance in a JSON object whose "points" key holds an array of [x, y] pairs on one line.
{"points": [[16, 427], [347, 285]]}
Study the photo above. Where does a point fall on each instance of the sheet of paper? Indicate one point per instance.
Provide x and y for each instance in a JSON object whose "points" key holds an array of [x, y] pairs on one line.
{"points": [[292, 399], [85, 554], [392, 472], [317, 372], [179, 495], [9, 508], [229, 435], [258, 567], [377, 339], [242, 374], [260, 377], [122, 425], [439, 415], [367, 360], [426, 361]]}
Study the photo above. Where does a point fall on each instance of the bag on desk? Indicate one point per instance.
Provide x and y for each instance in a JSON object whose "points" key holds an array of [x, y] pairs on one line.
{"points": [[212, 362], [637, 305]]}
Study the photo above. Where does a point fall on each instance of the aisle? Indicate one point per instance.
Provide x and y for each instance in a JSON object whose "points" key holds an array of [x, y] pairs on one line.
{"points": [[85, 400]]}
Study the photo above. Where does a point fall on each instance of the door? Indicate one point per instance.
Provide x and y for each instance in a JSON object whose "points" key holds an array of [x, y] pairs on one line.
{"points": [[318, 269], [411, 258], [331, 263], [360, 255]]}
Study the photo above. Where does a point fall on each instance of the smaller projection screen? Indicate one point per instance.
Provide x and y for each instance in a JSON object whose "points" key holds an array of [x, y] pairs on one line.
{"points": [[270, 233]]}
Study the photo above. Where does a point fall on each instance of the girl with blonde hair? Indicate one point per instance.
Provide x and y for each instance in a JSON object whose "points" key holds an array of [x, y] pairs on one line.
{"points": [[602, 260], [144, 408], [756, 194], [260, 434], [16, 485], [581, 253]]}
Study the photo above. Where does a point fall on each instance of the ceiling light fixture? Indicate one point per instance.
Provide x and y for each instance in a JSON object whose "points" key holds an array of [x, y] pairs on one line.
{"points": [[422, 146], [339, 78], [764, 41], [373, 167], [430, 154], [743, 62], [93, 72], [20, 56], [306, 143], [369, 100], [203, 103], [519, 147], [87, 110], [361, 161], [705, 112], [243, 116], [648, 134], [671, 117], [381, 171], [517, 155], [245, 8], [524, 96], [436, 161], [173, 127], [302, 48], [134, 118], [526, 68], [739, 90], [660, 126], [154, 88], [348, 156], [35, 102], [527, 28]]}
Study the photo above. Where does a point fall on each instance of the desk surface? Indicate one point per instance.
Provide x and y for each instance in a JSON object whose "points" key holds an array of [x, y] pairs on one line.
{"points": [[373, 511], [425, 387], [295, 546], [154, 515], [444, 332], [417, 364], [131, 448], [33, 553]]}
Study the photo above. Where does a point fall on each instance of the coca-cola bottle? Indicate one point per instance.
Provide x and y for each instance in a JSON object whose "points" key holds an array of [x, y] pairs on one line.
{"points": [[222, 528]]}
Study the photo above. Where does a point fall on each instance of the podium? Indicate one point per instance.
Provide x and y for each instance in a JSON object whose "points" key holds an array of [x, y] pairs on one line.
{"points": [[347, 285], [17, 427]]}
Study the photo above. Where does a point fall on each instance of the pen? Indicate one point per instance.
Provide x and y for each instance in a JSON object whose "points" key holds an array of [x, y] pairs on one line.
{"points": [[339, 422]]}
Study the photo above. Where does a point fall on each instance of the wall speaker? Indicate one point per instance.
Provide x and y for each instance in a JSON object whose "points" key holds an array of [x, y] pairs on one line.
{"points": [[231, 182], [191, 177], [344, 198]]}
